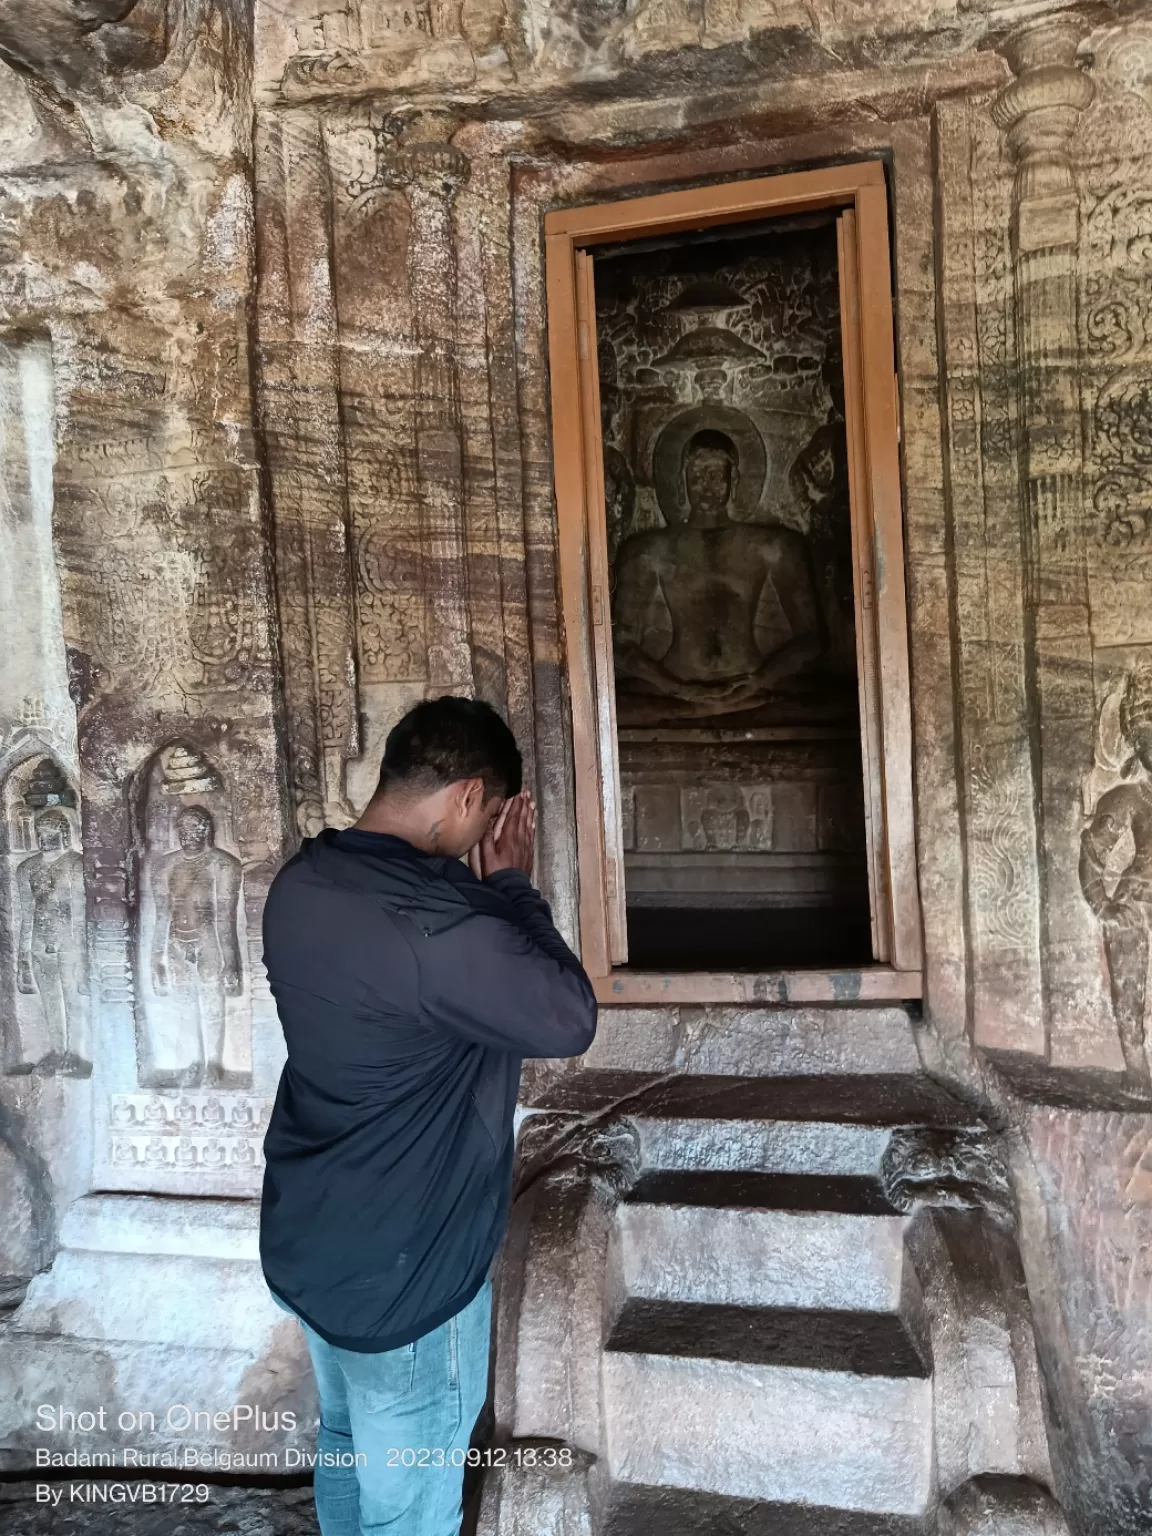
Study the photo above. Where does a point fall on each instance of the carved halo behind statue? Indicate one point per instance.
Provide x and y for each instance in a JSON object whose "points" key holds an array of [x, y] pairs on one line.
{"points": [[668, 459]]}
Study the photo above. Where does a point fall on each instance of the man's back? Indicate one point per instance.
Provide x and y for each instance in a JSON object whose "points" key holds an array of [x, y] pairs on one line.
{"points": [[409, 985], [408, 991]]}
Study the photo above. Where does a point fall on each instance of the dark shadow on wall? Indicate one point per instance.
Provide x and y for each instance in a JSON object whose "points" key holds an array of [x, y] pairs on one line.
{"points": [[27, 1216]]}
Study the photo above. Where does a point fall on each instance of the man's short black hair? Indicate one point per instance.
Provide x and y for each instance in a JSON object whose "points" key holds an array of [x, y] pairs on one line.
{"points": [[444, 740]]}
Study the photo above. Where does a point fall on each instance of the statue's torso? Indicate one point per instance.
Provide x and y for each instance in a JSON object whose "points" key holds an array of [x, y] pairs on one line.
{"points": [[713, 584], [194, 893], [52, 883]]}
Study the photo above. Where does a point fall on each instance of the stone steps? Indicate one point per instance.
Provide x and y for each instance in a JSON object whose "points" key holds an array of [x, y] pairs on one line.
{"points": [[767, 1366], [824, 1291], [850, 1195], [752, 1258], [639, 1511], [777, 1165], [853, 1065], [863, 1343], [774, 1434]]}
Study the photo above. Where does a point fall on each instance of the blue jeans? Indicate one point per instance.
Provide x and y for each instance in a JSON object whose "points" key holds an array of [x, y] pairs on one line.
{"points": [[406, 1415]]}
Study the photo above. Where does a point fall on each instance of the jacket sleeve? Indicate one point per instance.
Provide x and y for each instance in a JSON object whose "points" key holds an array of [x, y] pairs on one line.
{"points": [[510, 984]]}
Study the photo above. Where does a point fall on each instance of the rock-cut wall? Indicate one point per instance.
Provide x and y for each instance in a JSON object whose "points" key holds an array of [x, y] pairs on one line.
{"points": [[274, 410], [141, 776]]}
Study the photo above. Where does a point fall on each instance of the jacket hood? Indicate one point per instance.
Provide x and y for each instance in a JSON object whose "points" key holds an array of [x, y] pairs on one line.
{"points": [[435, 891]]}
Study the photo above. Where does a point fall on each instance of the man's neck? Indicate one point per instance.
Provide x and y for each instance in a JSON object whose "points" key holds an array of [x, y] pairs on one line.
{"points": [[408, 820]]}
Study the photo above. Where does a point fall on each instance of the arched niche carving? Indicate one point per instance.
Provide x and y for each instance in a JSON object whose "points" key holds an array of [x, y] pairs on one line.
{"points": [[47, 1026], [194, 1026]]}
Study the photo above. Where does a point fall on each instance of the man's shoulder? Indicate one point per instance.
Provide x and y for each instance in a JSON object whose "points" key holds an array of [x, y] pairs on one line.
{"points": [[294, 872], [306, 914]]}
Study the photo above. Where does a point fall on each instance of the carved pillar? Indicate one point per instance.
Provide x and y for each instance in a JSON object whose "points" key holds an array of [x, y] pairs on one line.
{"points": [[431, 171], [305, 452], [502, 654], [1039, 112]]}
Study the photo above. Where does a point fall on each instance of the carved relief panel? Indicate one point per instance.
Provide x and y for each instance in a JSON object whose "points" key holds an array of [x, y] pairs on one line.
{"points": [[192, 1048], [982, 440], [729, 546], [189, 944], [44, 922], [722, 399], [1045, 254], [135, 586]]}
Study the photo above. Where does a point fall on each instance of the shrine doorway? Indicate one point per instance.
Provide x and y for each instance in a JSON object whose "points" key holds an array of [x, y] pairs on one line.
{"points": [[727, 470]]}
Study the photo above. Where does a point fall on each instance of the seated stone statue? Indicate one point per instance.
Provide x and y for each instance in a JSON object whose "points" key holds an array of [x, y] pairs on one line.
{"points": [[712, 614]]}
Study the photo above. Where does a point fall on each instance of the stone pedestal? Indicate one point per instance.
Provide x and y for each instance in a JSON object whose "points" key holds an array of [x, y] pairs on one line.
{"points": [[153, 1342]]}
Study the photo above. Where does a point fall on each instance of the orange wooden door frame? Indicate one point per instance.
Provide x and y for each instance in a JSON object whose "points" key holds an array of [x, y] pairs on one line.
{"points": [[878, 560]]}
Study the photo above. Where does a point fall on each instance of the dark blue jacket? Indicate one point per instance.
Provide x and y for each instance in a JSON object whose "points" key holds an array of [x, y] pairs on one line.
{"points": [[408, 991]]}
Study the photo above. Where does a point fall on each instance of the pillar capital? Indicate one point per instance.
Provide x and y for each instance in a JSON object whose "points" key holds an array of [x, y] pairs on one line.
{"points": [[418, 153], [1038, 113]]}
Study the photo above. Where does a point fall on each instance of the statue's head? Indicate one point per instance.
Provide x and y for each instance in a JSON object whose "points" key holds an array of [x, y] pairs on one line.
{"points": [[1136, 714], [711, 471], [53, 832], [195, 829]]}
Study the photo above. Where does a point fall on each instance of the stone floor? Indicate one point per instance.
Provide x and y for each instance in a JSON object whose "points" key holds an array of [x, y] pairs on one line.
{"points": [[227, 1512]]}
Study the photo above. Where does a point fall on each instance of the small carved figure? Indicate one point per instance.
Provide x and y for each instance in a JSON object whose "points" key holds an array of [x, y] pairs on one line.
{"points": [[715, 615], [213, 1155], [154, 1111], [125, 1153], [243, 1155], [1124, 814], [819, 480], [53, 956], [185, 1153], [185, 1112], [195, 945], [212, 1113], [123, 1113], [963, 1168], [242, 1113], [724, 819], [155, 1153]]}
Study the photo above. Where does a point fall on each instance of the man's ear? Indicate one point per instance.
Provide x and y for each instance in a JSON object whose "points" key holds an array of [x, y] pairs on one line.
{"points": [[471, 795]]}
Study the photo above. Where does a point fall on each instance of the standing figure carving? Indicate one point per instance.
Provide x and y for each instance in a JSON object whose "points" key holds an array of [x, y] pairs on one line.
{"points": [[52, 962], [714, 615], [195, 942], [1122, 820], [619, 481], [819, 481]]}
